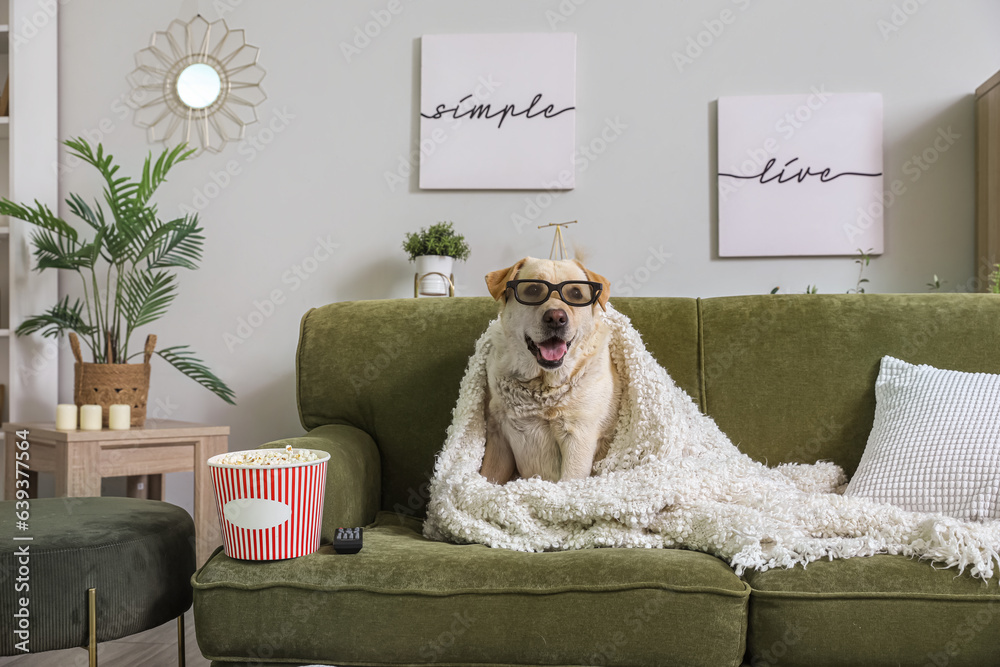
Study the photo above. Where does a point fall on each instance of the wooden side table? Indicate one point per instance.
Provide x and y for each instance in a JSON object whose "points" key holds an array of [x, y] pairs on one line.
{"points": [[79, 459]]}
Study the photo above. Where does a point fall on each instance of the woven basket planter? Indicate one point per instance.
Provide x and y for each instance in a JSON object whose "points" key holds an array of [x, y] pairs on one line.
{"points": [[108, 384]]}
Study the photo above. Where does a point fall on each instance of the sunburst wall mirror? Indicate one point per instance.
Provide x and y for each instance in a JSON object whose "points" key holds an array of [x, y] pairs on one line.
{"points": [[197, 82]]}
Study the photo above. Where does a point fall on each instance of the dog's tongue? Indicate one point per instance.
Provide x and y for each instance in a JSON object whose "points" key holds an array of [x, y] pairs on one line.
{"points": [[552, 349]]}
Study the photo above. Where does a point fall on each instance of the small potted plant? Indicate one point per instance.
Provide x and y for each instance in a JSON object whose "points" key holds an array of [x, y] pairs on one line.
{"points": [[435, 250]]}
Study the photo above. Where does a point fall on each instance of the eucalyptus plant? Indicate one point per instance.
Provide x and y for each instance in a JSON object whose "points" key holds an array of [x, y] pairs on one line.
{"points": [[131, 252], [863, 260]]}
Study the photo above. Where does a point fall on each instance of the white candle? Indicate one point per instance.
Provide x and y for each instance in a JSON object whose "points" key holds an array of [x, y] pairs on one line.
{"points": [[90, 418], [120, 417], [66, 417]]}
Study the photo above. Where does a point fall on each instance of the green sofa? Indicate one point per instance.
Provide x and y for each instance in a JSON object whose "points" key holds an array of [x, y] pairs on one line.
{"points": [[788, 378]]}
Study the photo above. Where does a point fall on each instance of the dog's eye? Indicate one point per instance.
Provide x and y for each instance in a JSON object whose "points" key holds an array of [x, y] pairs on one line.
{"points": [[575, 293], [532, 290]]}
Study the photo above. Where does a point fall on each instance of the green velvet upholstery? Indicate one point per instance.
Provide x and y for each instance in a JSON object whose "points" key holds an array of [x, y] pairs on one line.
{"points": [[415, 600], [789, 378], [792, 378], [352, 475], [882, 610], [384, 367], [138, 554]]}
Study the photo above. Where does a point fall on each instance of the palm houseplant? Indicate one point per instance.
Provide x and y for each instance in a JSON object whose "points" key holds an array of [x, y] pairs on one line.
{"points": [[128, 268], [435, 250]]}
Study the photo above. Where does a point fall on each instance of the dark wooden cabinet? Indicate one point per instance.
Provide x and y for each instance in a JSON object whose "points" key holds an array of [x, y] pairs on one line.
{"points": [[987, 178]]}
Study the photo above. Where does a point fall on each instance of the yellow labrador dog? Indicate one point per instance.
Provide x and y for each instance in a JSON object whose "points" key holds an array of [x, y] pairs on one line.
{"points": [[553, 391]]}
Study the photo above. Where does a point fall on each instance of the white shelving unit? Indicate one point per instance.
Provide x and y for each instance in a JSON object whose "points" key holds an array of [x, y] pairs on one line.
{"points": [[29, 151]]}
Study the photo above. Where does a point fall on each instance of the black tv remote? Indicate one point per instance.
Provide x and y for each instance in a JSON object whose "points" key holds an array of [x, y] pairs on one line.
{"points": [[348, 540]]}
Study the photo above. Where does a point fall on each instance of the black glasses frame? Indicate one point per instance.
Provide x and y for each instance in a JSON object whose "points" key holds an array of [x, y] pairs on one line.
{"points": [[596, 289]]}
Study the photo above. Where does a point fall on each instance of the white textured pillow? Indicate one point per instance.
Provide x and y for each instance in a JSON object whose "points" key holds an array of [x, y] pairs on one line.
{"points": [[935, 445]]}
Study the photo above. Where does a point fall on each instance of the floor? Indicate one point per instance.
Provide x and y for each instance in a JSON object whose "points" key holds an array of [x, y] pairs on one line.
{"points": [[153, 648]]}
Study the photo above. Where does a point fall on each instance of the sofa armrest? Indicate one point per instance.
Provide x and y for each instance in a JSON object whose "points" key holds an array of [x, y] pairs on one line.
{"points": [[353, 474]]}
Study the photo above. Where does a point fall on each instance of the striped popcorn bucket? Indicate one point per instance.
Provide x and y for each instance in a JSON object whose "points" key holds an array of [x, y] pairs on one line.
{"points": [[270, 512]]}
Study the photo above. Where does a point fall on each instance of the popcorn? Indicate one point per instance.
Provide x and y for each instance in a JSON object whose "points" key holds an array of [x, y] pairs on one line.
{"points": [[269, 457]]}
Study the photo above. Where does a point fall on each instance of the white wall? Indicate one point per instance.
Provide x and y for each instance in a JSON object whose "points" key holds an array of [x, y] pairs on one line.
{"points": [[339, 127]]}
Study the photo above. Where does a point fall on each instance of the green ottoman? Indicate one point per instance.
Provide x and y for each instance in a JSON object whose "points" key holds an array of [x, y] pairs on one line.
{"points": [[93, 570]]}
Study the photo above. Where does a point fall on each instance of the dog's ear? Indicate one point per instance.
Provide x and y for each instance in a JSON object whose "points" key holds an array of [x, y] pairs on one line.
{"points": [[496, 281], [598, 278]]}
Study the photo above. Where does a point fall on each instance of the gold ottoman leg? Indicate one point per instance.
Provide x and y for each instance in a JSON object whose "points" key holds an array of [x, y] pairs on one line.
{"points": [[180, 641], [92, 623]]}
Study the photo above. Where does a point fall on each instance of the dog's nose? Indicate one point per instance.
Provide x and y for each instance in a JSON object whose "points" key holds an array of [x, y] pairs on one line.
{"points": [[555, 318]]}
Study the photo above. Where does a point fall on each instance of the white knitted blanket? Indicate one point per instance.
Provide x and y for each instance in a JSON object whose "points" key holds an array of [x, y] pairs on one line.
{"points": [[673, 479]]}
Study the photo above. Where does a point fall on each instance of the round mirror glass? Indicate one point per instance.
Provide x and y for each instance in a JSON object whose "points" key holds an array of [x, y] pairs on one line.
{"points": [[198, 85]]}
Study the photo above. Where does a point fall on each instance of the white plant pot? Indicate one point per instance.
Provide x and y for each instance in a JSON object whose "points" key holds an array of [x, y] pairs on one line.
{"points": [[434, 285]]}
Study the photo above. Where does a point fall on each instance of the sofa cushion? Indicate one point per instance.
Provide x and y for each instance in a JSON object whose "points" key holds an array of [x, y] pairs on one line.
{"points": [[392, 368], [407, 600], [935, 446], [881, 610], [792, 377]]}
